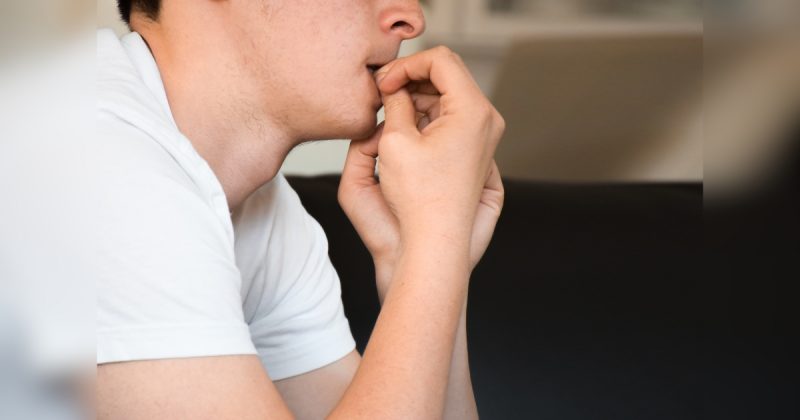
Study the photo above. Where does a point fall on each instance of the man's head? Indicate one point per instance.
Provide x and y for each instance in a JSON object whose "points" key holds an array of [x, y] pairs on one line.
{"points": [[305, 64]]}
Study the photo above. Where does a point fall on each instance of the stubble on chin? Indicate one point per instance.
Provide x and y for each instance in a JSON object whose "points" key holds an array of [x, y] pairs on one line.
{"points": [[368, 130], [354, 128]]}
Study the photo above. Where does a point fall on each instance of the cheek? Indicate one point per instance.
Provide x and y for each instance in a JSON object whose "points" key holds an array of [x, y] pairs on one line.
{"points": [[341, 83]]}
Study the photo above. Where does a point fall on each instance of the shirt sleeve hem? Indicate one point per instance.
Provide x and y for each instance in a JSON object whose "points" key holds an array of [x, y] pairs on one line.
{"points": [[123, 345], [313, 354]]}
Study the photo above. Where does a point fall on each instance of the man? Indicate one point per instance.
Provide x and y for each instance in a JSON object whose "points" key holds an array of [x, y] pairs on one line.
{"points": [[216, 297]]}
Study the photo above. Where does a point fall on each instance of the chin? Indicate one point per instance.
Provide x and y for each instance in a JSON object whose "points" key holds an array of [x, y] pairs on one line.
{"points": [[368, 129], [355, 120], [359, 128]]}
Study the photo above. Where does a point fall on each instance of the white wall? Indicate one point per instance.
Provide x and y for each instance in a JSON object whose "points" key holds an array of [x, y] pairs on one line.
{"points": [[108, 16]]}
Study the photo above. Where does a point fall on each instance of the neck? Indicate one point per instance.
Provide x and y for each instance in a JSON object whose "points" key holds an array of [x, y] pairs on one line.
{"points": [[244, 148]]}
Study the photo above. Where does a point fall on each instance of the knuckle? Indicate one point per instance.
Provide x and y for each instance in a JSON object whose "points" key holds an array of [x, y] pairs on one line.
{"points": [[499, 122], [492, 119], [486, 111], [392, 105], [446, 53], [443, 51], [457, 58]]}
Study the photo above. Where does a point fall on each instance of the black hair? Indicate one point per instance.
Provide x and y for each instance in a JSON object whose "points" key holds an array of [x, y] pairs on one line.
{"points": [[149, 7]]}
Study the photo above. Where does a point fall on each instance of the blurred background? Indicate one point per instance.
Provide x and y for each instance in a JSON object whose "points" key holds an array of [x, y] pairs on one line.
{"points": [[638, 299]]}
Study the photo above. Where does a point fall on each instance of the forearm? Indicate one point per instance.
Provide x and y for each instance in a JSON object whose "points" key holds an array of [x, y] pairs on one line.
{"points": [[405, 368], [460, 400]]}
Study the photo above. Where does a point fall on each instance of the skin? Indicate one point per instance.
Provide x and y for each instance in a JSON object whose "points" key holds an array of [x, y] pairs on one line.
{"points": [[284, 70], [245, 94]]}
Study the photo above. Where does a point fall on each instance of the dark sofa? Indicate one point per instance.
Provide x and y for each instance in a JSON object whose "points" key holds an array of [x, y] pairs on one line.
{"points": [[582, 308]]}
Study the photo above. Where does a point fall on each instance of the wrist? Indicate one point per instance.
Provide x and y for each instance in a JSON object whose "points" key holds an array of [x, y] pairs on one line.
{"points": [[434, 237], [436, 222], [448, 249], [384, 270], [447, 256]]}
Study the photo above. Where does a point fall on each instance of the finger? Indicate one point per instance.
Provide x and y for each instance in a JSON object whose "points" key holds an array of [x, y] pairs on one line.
{"points": [[494, 181], [423, 87], [489, 209], [439, 65], [427, 104], [399, 110], [359, 166], [419, 116], [493, 192], [423, 121]]}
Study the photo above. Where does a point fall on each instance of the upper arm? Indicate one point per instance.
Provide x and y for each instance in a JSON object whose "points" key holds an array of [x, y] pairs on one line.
{"points": [[167, 285], [225, 387], [172, 341], [313, 395]]}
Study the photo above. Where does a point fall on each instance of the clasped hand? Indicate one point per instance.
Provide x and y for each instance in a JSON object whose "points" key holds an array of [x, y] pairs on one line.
{"points": [[435, 158]]}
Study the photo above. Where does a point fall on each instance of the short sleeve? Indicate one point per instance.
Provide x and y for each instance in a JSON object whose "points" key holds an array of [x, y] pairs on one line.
{"points": [[167, 283], [292, 291]]}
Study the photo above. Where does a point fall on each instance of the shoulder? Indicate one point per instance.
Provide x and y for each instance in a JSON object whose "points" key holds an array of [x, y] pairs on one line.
{"points": [[274, 230], [137, 154], [144, 196]]}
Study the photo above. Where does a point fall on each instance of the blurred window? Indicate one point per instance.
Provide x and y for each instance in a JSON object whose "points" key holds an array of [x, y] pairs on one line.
{"points": [[633, 8]]}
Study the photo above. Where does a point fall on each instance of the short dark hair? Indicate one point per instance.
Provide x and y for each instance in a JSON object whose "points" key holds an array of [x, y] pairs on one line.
{"points": [[149, 7]]}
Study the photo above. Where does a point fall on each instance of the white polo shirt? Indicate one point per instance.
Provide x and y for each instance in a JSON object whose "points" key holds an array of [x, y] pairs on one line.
{"points": [[179, 275]]}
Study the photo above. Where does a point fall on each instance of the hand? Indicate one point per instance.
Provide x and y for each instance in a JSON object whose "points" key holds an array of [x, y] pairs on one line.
{"points": [[362, 200], [444, 133]]}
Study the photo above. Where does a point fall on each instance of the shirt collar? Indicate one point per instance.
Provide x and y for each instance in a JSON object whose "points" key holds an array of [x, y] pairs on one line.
{"points": [[142, 59]]}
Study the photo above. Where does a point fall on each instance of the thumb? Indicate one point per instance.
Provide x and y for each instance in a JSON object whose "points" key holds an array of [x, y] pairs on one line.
{"points": [[400, 113], [359, 166]]}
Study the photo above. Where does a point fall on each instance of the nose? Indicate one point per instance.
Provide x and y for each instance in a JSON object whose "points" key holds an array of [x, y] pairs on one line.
{"points": [[404, 19]]}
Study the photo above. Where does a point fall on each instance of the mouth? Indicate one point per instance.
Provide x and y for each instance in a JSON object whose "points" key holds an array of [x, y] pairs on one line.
{"points": [[372, 68]]}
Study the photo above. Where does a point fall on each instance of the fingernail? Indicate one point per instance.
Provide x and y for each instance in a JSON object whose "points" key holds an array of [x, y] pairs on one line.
{"points": [[381, 74]]}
